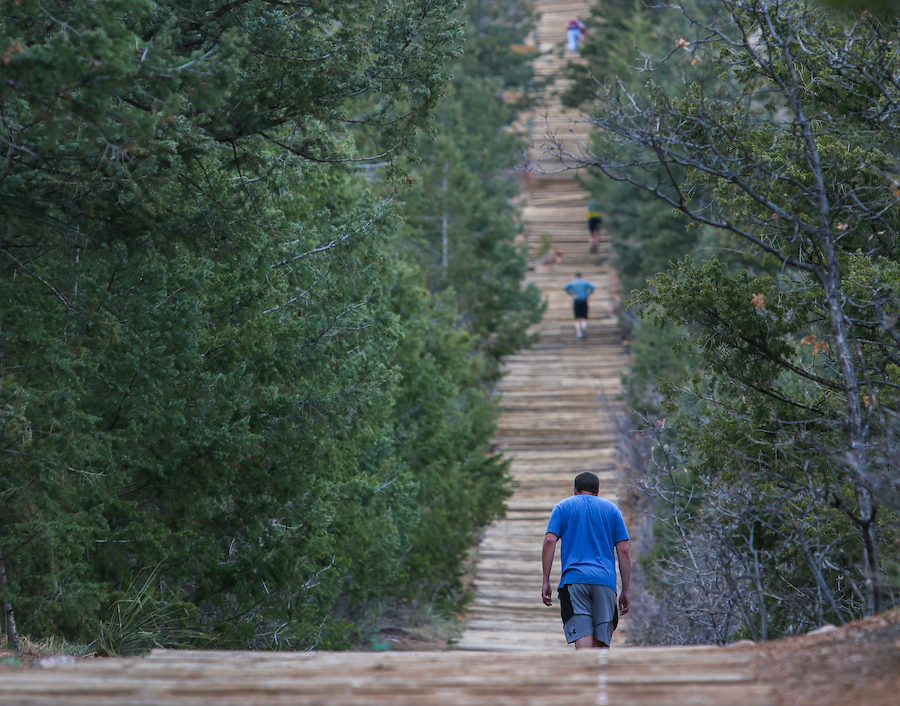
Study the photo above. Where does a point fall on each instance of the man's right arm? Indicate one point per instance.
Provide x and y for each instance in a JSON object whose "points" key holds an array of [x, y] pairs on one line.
{"points": [[547, 552], [625, 570]]}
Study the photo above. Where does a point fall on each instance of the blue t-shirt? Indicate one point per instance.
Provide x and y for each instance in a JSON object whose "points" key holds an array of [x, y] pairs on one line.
{"points": [[579, 288], [589, 528]]}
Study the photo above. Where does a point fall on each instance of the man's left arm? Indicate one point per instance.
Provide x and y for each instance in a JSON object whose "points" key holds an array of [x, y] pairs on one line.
{"points": [[547, 552], [625, 570]]}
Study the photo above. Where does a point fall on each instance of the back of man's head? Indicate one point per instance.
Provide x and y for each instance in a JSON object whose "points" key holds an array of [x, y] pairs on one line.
{"points": [[587, 482]]}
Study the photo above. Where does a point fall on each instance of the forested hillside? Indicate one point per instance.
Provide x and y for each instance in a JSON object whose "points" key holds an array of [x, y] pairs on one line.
{"points": [[746, 156], [256, 275]]}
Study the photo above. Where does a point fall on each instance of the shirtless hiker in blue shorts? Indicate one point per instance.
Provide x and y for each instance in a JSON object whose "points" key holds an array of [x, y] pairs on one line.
{"points": [[593, 533]]}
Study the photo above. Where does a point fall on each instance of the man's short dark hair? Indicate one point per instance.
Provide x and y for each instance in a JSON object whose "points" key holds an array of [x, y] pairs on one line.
{"points": [[578, 274], [587, 481]]}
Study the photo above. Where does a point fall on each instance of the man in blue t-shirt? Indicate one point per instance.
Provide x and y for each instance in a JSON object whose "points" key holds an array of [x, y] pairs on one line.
{"points": [[590, 528], [580, 289]]}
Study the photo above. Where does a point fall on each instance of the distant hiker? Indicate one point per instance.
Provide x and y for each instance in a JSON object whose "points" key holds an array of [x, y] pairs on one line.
{"points": [[590, 528], [574, 31], [593, 223], [580, 289]]}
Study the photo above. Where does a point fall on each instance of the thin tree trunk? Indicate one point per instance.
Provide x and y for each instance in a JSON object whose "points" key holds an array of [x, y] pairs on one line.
{"points": [[445, 232], [872, 586], [9, 619], [857, 428], [831, 284]]}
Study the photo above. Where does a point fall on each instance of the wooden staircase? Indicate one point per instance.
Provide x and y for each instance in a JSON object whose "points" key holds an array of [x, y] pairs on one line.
{"points": [[556, 396]]}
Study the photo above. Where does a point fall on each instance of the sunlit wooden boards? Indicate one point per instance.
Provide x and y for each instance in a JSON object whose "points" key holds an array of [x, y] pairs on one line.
{"points": [[634, 677]]}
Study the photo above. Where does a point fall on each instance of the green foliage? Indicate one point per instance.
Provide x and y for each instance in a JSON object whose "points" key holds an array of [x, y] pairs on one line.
{"points": [[216, 357], [884, 9], [785, 420], [546, 240], [629, 43], [495, 29], [443, 431], [470, 310], [461, 226]]}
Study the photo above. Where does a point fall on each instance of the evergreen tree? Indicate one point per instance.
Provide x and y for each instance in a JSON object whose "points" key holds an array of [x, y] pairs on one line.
{"points": [[787, 433], [461, 224], [208, 353]]}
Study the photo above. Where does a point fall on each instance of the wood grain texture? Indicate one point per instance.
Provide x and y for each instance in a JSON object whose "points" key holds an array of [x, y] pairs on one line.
{"points": [[194, 678]]}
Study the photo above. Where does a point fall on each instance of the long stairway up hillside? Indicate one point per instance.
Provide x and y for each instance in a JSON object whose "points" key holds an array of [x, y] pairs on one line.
{"points": [[513, 652], [555, 396]]}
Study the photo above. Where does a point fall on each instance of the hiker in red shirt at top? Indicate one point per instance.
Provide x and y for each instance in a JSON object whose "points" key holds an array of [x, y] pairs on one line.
{"points": [[593, 534], [574, 31]]}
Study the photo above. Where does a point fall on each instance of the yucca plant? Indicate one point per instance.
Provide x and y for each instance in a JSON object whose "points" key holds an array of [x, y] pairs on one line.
{"points": [[144, 619]]}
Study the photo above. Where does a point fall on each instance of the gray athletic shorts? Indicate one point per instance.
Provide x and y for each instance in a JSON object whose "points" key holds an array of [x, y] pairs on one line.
{"points": [[588, 609]]}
